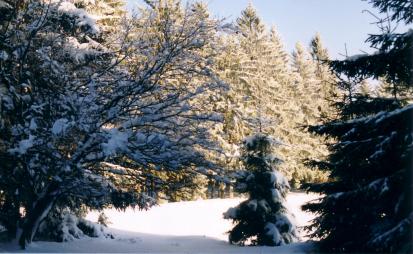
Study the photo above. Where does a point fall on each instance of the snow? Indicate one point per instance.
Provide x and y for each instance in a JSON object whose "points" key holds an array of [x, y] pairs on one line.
{"points": [[118, 140], [231, 213], [276, 195], [80, 51], [381, 116], [3, 54], [356, 57], [33, 125], [82, 17], [69, 228], [24, 145], [184, 227], [285, 219], [278, 178], [4, 5], [59, 126], [264, 205], [271, 230], [252, 205]]}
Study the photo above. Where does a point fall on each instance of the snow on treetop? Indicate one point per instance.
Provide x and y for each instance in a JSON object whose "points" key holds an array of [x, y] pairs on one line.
{"points": [[356, 57], [83, 19], [252, 140]]}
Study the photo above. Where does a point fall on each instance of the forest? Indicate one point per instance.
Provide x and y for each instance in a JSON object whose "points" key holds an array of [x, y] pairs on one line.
{"points": [[102, 107]]}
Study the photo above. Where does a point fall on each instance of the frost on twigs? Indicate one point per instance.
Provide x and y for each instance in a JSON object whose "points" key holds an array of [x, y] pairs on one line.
{"points": [[97, 119]]}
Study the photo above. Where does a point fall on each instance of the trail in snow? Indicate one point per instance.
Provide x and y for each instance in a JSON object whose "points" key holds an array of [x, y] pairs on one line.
{"points": [[184, 227]]}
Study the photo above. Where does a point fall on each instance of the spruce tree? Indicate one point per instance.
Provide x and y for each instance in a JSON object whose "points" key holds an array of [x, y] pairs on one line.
{"points": [[370, 163], [265, 90], [242, 66], [325, 77], [262, 219], [305, 92]]}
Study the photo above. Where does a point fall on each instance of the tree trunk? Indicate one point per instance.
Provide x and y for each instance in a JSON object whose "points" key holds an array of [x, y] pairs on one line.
{"points": [[34, 216]]}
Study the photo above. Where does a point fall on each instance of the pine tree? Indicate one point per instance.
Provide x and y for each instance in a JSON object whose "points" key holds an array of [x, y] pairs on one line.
{"points": [[265, 91], [262, 219], [278, 61], [253, 67], [364, 88], [307, 110], [241, 66], [370, 163], [325, 77], [256, 69]]}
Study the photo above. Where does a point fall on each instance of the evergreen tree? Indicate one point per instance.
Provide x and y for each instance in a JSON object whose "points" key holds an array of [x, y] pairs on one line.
{"points": [[306, 91], [371, 166], [262, 219], [253, 70], [242, 67], [325, 77], [265, 91], [108, 13], [256, 71], [364, 88], [307, 88]]}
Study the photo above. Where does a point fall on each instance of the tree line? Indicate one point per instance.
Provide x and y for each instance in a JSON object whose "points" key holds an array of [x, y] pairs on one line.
{"points": [[103, 108]]}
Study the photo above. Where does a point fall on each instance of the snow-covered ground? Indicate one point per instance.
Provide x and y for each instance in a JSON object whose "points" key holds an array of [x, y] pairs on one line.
{"points": [[184, 227]]}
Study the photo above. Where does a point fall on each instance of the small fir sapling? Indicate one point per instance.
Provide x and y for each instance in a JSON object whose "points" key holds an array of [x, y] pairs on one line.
{"points": [[262, 219]]}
